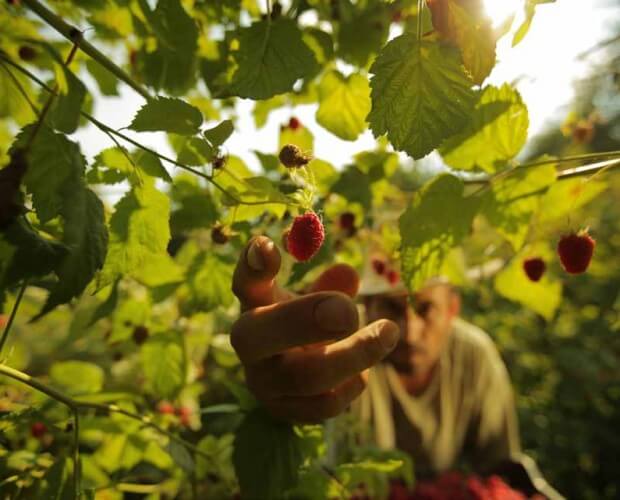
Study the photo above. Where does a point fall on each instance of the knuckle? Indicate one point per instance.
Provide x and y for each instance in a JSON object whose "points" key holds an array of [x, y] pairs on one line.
{"points": [[370, 350]]}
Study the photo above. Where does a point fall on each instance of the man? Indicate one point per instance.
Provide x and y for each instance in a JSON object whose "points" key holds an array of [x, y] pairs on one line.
{"points": [[442, 395]]}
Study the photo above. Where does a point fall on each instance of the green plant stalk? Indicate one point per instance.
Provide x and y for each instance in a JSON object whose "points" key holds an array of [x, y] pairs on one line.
{"points": [[75, 36], [76, 405], [7, 328], [110, 131], [77, 466]]}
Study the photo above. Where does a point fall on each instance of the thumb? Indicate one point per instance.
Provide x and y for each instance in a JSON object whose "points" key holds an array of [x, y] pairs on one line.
{"points": [[338, 278], [254, 278]]}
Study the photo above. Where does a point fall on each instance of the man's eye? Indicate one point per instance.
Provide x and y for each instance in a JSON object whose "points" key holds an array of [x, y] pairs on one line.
{"points": [[422, 308]]}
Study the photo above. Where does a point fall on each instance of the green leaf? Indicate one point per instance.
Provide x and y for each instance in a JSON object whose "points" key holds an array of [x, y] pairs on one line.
{"points": [[438, 218], [266, 456], [209, 278], [167, 114], [12, 103], [58, 483], [406, 74], [344, 103], [164, 364], [354, 185], [220, 133], [530, 10], [566, 196], [139, 231], [172, 65], [86, 237], [195, 152], [496, 133], [77, 377], [180, 456], [107, 307], [219, 449], [362, 34], [272, 56], [54, 163], [33, 256], [106, 81], [544, 296], [195, 205], [514, 199], [65, 112]]}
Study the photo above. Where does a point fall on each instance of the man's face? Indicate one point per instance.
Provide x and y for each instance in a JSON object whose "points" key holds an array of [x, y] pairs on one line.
{"points": [[425, 325]]}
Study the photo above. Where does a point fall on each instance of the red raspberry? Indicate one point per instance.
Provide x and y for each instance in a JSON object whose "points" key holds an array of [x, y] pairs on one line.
{"points": [[165, 408], [306, 236], [27, 53], [378, 265], [534, 267], [393, 277], [575, 251], [4, 319], [294, 123], [140, 334], [38, 429], [184, 413], [346, 221]]}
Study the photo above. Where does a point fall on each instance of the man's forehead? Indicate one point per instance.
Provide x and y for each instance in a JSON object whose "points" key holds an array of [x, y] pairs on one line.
{"points": [[431, 291]]}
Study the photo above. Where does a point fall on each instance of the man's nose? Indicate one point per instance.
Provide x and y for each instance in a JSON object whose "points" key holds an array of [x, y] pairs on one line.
{"points": [[415, 326]]}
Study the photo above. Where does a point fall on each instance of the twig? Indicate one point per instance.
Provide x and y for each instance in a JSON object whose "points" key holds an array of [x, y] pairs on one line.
{"points": [[70, 32], [21, 89], [7, 328]]}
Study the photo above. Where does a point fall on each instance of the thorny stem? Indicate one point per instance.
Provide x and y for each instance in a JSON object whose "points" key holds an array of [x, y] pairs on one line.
{"points": [[110, 131], [71, 33], [7, 328]]}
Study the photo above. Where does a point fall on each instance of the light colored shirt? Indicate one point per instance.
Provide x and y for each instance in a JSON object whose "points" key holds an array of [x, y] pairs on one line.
{"points": [[467, 410]]}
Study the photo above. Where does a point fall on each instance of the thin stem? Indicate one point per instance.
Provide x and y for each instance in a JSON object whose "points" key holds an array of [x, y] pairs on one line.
{"points": [[7, 328], [419, 19], [21, 89], [72, 33], [76, 405], [77, 466], [268, 4], [110, 131]]}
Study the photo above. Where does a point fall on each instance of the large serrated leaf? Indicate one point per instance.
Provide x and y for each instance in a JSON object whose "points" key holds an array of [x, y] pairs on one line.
{"points": [[272, 56], [267, 456], [168, 115], [164, 364], [139, 230], [420, 94], [496, 133], [86, 236], [344, 103], [438, 218]]}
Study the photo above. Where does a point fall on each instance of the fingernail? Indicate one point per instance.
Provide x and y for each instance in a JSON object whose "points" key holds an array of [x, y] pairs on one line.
{"points": [[335, 314], [255, 257], [389, 333]]}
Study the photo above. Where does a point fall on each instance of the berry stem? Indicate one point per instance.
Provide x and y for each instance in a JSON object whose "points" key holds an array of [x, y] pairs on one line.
{"points": [[419, 20], [21, 89], [7, 328], [69, 32]]}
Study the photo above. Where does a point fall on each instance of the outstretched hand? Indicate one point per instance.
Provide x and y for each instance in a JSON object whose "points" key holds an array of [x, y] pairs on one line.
{"points": [[303, 355]]}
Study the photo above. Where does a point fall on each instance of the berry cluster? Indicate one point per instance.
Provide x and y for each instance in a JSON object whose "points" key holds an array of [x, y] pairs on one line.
{"points": [[183, 412], [381, 268], [575, 251]]}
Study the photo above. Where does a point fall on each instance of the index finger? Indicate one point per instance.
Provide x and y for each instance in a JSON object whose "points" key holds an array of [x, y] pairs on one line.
{"points": [[254, 278]]}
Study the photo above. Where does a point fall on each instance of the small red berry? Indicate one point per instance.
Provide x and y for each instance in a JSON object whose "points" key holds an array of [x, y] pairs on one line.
{"points": [[378, 265], [165, 408], [219, 161], [393, 277], [306, 236], [184, 414], [27, 53], [346, 221], [140, 334], [38, 429], [575, 251], [4, 319], [294, 123], [534, 267]]}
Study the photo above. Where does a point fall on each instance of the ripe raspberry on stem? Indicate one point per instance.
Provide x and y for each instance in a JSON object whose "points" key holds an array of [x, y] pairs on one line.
{"points": [[292, 157], [306, 236], [378, 265], [294, 123], [534, 268], [165, 408], [575, 251], [38, 429], [393, 277]]}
